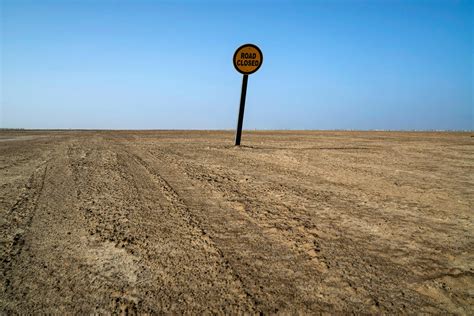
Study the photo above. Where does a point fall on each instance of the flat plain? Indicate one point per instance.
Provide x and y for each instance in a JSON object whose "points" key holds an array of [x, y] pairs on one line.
{"points": [[184, 222]]}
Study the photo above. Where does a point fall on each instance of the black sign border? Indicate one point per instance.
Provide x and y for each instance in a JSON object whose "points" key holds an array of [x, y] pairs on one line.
{"points": [[235, 54]]}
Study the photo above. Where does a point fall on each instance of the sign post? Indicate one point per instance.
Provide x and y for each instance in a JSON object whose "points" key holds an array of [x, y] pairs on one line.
{"points": [[247, 59]]}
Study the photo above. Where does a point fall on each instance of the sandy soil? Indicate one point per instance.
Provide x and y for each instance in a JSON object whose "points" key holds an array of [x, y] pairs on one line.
{"points": [[292, 222]]}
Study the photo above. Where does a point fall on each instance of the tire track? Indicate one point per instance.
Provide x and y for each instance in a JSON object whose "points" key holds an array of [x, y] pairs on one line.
{"points": [[19, 218], [109, 243], [179, 206]]}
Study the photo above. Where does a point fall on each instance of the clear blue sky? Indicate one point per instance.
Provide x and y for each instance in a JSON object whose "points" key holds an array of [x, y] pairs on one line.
{"points": [[166, 64]]}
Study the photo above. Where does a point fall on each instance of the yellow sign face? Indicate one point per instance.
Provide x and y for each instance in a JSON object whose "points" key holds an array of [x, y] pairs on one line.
{"points": [[247, 59]]}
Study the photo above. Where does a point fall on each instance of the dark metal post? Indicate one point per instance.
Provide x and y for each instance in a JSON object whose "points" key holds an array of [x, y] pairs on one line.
{"points": [[241, 110]]}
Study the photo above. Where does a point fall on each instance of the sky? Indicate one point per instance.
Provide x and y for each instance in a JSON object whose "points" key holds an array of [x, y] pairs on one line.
{"points": [[398, 65]]}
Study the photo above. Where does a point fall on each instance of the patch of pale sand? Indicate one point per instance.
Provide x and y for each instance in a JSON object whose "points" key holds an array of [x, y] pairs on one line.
{"points": [[110, 262], [452, 288], [18, 138]]}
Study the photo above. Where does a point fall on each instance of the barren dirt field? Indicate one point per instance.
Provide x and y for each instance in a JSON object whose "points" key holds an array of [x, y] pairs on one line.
{"points": [[291, 222]]}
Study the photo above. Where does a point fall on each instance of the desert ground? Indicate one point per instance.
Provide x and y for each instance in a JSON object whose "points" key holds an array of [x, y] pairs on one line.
{"points": [[184, 222]]}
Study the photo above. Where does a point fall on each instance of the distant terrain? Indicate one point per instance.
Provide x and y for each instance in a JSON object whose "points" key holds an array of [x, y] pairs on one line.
{"points": [[184, 222]]}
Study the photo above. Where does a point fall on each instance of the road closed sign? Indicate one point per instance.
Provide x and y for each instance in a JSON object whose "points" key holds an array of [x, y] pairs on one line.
{"points": [[247, 59]]}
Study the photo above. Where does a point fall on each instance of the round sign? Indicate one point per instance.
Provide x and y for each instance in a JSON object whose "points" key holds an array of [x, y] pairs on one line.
{"points": [[247, 59]]}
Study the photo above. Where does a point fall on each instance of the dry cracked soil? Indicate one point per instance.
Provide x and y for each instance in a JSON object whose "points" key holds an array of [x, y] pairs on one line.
{"points": [[184, 222]]}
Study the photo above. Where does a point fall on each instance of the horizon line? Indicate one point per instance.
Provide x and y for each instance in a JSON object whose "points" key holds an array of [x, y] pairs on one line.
{"points": [[233, 130]]}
